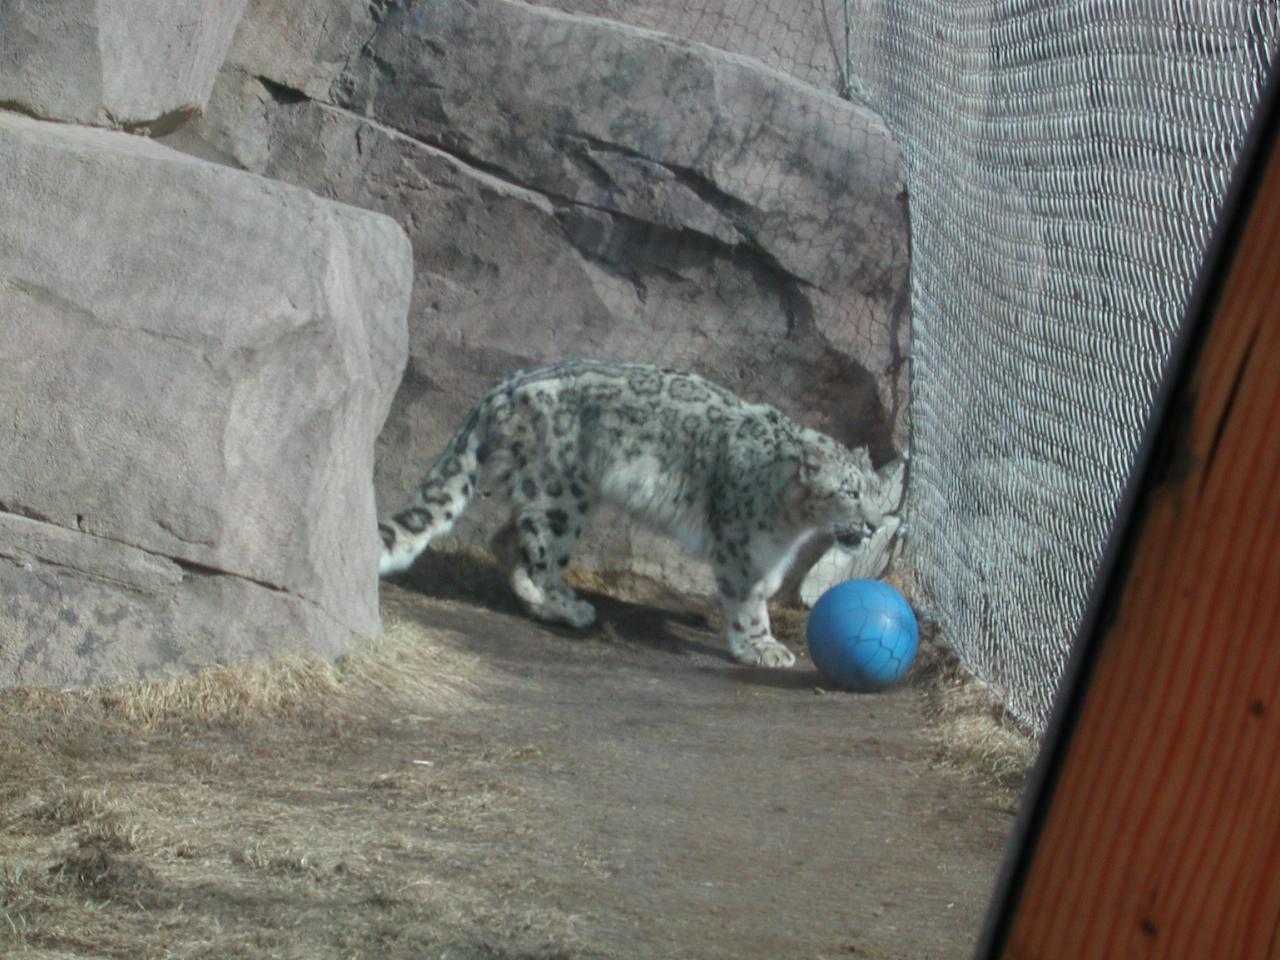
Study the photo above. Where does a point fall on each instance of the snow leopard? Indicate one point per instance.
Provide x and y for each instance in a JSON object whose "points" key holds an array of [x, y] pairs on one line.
{"points": [[737, 483]]}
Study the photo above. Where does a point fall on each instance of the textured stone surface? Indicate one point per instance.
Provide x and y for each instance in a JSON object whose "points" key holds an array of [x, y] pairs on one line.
{"points": [[196, 363], [630, 125], [576, 188], [303, 45], [76, 610], [803, 40], [113, 62]]}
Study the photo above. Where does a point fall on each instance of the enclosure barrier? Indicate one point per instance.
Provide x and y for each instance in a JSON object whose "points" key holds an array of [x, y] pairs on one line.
{"points": [[1066, 163]]}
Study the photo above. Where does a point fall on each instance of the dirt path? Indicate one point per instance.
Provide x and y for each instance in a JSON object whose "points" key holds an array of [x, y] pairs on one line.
{"points": [[478, 787], [678, 805]]}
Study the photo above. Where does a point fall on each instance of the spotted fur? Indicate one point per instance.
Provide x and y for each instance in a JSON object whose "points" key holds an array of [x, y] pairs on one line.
{"points": [[737, 483]]}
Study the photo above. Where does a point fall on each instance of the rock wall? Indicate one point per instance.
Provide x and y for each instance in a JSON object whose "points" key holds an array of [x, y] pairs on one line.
{"points": [[196, 363], [803, 40], [579, 187], [120, 63]]}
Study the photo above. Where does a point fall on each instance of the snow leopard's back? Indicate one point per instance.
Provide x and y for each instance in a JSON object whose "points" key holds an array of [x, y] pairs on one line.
{"points": [[662, 444], [668, 447]]}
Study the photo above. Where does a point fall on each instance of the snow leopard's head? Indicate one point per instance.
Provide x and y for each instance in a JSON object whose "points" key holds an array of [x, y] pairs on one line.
{"points": [[846, 493]]}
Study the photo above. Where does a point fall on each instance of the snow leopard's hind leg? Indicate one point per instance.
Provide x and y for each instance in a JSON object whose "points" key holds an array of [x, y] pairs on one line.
{"points": [[545, 524]]}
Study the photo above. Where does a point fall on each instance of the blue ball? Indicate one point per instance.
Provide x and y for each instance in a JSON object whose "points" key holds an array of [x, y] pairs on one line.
{"points": [[862, 635]]}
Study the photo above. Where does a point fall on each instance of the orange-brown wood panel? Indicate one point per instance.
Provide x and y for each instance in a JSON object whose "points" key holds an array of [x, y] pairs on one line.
{"points": [[1162, 838]]}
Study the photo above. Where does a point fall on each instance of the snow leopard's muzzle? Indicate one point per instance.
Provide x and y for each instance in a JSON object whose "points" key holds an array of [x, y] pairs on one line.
{"points": [[850, 538]]}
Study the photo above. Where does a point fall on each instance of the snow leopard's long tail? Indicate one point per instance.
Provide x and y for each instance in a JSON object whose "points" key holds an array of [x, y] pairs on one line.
{"points": [[439, 500]]}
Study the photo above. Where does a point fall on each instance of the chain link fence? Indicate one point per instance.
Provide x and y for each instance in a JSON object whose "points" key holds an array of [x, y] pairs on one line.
{"points": [[1066, 163]]}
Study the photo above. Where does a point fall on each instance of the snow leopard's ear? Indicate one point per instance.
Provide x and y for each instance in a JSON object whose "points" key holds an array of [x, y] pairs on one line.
{"points": [[823, 457], [811, 464], [862, 458], [814, 456]]}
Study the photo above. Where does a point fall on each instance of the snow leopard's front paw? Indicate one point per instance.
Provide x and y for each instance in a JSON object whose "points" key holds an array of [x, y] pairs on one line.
{"points": [[558, 608], [550, 602], [578, 613], [765, 653]]}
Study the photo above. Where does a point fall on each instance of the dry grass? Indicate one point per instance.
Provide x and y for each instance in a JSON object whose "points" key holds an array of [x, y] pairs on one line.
{"points": [[395, 667], [292, 809], [968, 725]]}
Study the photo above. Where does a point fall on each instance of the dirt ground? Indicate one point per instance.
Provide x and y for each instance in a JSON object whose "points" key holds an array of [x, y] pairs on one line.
{"points": [[479, 786]]}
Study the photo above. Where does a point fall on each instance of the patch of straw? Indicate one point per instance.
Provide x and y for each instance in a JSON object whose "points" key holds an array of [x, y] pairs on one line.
{"points": [[231, 695], [404, 666], [968, 725]]}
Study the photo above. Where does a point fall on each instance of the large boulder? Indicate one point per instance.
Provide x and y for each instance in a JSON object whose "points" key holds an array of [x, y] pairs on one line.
{"points": [[660, 155], [197, 362], [120, 63], [579, 188]]}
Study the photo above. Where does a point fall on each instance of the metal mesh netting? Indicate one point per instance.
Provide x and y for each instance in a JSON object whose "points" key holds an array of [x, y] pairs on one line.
{"points": [[1065, 165]]}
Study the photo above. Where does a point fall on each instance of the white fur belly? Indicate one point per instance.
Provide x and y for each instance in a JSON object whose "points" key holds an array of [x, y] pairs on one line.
{"points": [[642, 489]]}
